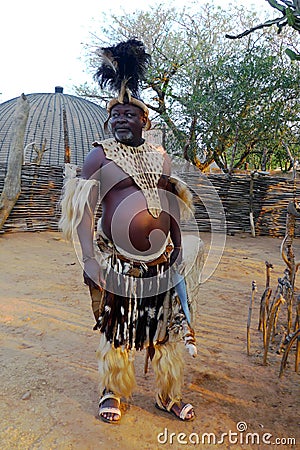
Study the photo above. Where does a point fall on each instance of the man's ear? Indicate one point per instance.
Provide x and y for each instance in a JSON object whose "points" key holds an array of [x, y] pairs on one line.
{"points": [[144, 119]]}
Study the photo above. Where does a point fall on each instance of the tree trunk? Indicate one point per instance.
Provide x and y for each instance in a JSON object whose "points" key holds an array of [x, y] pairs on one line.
{"points": [[12, 182]]}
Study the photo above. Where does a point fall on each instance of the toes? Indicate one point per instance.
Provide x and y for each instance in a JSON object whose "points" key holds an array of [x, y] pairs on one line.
{"points": [[190, 415], [111, 417], [176, 409], [109, 408]]}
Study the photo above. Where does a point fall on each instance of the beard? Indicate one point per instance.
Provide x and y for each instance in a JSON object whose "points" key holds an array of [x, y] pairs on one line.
{"points": [[124, 136]]}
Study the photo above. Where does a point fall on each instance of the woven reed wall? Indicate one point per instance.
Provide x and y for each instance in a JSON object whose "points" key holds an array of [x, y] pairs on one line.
{"points": [[37, 207], [271, 196]]}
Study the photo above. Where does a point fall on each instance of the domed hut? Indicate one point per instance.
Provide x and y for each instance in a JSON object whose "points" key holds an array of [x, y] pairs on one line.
{"points": [[60, 128]]}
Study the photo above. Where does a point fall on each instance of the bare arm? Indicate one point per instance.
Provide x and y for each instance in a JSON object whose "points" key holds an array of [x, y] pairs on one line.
{"points": [[175, 232]]}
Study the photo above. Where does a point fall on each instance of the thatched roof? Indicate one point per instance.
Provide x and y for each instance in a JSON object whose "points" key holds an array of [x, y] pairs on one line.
{"points": [[46, 122]]}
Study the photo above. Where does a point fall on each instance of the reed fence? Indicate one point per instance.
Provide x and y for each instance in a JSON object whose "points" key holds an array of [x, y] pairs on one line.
{"points": [[37, 208]]}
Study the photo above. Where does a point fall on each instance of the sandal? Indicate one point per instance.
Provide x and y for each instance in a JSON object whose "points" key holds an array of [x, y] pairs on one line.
{"points": [[109, 409], [183, 411]]}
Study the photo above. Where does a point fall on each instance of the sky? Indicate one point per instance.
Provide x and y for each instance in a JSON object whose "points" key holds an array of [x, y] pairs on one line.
{"points": [[42, 42]]}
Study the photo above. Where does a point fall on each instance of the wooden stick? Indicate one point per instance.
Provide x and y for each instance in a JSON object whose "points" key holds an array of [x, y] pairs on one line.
{"points": [[264, 308], [250, 315], [295, 336], [273, 311], [297, 360]]}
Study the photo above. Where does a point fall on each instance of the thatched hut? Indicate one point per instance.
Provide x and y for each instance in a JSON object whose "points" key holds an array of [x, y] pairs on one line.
{"points": [[54, 118], [60, 128]]}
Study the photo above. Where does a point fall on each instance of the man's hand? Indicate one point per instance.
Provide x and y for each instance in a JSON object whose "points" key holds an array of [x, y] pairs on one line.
{"points": [[94, 272]]}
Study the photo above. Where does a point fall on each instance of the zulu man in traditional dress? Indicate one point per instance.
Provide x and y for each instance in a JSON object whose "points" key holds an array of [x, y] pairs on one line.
{"points": [[131, 257]]}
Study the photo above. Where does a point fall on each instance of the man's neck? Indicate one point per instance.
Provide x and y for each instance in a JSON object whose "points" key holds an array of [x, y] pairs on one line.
{"points": [[132, 143], [135, 142]]}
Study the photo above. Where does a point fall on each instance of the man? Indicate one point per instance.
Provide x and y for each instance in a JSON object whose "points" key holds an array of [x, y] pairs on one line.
{"points": [[128, 272]]}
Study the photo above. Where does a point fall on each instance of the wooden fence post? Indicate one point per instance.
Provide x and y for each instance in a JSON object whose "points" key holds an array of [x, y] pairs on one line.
{"points": [[12, 182]]}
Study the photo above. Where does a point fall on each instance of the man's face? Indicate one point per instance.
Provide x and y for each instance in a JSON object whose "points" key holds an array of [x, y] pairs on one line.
{"points": [[127, 122]]}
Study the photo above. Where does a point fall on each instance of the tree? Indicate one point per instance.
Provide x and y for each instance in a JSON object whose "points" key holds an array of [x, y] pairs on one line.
{"points": [[290, 16], [246, 105], [220, 100]]}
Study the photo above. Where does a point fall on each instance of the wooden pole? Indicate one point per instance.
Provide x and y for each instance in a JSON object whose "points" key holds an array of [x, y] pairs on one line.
{"points": [[251, 195], [294, 338], [12, 182], [279, 300], [67, 158], [250, 315]]}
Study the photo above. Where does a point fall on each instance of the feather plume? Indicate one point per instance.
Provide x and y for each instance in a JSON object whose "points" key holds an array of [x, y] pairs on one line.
{"points": [[124, 63]]}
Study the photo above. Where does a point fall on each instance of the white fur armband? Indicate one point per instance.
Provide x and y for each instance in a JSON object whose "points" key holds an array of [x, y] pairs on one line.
{"points": [[75, 199], [186, 206]]}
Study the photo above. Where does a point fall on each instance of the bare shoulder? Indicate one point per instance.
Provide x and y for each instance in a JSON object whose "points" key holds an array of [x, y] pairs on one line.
{"points": [[93, 162]]}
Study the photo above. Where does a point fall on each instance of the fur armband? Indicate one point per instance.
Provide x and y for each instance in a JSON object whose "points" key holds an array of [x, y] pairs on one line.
{"points": [[75, 199], [186, 206]]}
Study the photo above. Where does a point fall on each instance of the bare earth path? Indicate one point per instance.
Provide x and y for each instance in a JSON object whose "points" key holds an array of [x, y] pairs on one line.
{"points": [[49, 374]]}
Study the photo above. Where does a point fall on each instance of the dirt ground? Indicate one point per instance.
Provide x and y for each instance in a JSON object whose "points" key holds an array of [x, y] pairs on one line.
{"points": [[49, 381]]}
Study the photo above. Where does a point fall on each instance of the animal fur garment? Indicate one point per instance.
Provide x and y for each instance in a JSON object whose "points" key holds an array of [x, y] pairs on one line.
{"points": [[135, 309], [117, 374], [143, 163], [116, 369], [138, 307], [186, 204], [168, 368], [75, 199]]}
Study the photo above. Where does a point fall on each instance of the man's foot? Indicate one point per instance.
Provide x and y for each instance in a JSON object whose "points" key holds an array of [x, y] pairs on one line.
{"points": [[109, 410], [183, 411]]}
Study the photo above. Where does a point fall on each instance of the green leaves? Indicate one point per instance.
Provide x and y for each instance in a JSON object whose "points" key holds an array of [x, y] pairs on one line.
{"points": [[218, 99], [276, 5], [292, 55]]}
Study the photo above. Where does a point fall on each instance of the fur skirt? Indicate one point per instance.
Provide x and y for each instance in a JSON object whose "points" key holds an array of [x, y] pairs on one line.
{"points": [[138, 304]]}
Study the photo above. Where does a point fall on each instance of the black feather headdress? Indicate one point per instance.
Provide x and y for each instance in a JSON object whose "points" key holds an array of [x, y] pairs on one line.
{"points": [[125, 62], [122, 69]]}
